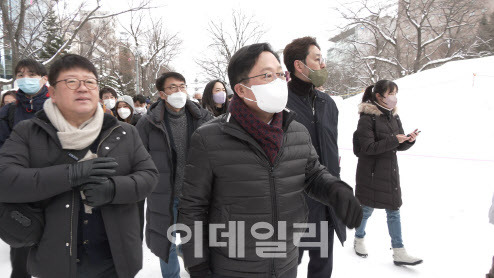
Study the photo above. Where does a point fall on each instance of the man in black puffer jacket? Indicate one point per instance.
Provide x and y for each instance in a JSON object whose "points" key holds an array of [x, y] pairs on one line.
{"points": [[250, 166]]}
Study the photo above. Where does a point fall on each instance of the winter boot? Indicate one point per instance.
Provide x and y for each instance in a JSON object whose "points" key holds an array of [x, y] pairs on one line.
{"points": [[401, 257], [359, 247]]}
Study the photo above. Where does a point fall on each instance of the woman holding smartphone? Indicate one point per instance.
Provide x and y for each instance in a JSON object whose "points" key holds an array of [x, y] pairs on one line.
{"points": [[378, 137]]}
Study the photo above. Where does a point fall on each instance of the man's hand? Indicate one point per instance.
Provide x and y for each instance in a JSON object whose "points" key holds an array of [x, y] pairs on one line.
{"points": [[92, 170], [99, 193]]}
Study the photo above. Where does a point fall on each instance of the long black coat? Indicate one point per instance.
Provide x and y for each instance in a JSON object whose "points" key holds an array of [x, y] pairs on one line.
{"points": [[228, 177], [28, 175], [378, 178], [321, 119], [157, 141]]}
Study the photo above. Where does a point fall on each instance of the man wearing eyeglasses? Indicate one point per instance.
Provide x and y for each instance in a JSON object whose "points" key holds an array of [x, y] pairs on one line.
{"points": [[319, 114], [86, 171], [165, 131], [31, 77], [246, 173]]}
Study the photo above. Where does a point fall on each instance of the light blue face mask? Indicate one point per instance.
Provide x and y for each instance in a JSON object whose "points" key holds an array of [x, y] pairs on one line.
{"points": [[29, 86]]}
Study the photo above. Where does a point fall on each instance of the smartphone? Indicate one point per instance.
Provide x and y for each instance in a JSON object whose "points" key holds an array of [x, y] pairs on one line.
{"points": [[408, 135]]}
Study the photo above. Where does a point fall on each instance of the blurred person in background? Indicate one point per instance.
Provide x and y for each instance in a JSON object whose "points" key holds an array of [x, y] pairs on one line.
{"points": [[8, 97], [214, 98], [378, 137], [108, 99], [125, 110], [140, 105]]}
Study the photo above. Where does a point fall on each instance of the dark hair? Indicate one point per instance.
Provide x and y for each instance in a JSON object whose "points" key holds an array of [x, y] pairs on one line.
{"points": [[67, 62], [8, 93], [244, 60], [160, 82], [298, 49], [105, 90], [381, 87], [32, 65], [208, 101], [139, 98]]}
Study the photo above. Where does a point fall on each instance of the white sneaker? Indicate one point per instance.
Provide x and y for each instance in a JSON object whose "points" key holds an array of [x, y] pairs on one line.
{"points": [[359, 247], [401, 257]]}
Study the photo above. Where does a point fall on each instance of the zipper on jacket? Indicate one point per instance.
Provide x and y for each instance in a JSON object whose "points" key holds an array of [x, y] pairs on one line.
{"points": [[72, 223], [275, 210]]}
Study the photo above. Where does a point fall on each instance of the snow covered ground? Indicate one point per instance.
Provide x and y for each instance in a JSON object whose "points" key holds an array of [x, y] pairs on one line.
{"points": [[446, 179]]}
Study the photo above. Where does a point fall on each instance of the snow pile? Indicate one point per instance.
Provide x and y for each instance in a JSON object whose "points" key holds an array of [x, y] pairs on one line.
{"points": [[445, 178]]}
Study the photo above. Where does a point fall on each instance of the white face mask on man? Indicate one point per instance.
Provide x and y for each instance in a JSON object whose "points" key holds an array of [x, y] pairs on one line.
{"points": [[271, 97], [177, 100], [141, 110], [109, 103]]}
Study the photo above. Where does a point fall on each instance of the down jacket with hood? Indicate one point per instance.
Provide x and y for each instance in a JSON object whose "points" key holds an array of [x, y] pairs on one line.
{"points": [[378, 178]]}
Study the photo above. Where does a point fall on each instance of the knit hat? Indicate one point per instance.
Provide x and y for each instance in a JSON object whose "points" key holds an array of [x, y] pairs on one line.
{"points": [[126, 99]]}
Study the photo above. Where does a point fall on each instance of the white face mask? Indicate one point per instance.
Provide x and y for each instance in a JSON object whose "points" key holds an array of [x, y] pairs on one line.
{"points": [[271, 97], [124, 113], [141, 110], [177, 100], [109, 103]]}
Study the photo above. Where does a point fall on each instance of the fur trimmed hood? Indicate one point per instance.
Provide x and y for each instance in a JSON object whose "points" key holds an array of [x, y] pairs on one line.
{"points": [[371, 109]]}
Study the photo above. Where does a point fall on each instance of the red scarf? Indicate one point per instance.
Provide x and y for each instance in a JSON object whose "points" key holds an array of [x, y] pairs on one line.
{"points": [[269, 137]]}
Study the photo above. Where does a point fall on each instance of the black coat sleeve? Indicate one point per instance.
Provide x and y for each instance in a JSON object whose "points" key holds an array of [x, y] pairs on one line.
{"points": [[196, 196], [405, 145], [144, 177], [368, 144], [22, 184]]}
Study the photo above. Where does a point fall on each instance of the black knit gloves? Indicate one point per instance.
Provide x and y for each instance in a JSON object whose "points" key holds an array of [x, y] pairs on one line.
{"points": [[92, 170], [347, 207], [98, 193]]}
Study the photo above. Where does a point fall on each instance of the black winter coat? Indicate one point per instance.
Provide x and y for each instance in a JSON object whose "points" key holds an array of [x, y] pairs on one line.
{"points": [[156, 139], [28, 175], [26, 108], [228, 177], [317, 111], [378, 178]]}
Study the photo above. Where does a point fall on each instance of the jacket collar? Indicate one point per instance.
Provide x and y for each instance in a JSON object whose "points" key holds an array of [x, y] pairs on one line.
{"points": [[300, 87], [34, 103], [372, 109]]}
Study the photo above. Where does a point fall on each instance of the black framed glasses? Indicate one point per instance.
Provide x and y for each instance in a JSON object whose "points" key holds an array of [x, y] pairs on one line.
{"points": [[175, 88], [74, 84], [268, 76]]}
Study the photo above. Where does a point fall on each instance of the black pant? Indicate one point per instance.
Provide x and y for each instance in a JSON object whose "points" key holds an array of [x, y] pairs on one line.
{"points": [[140, 206], [95, 269], [291, 273], [319, 267], [18, 259]]}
